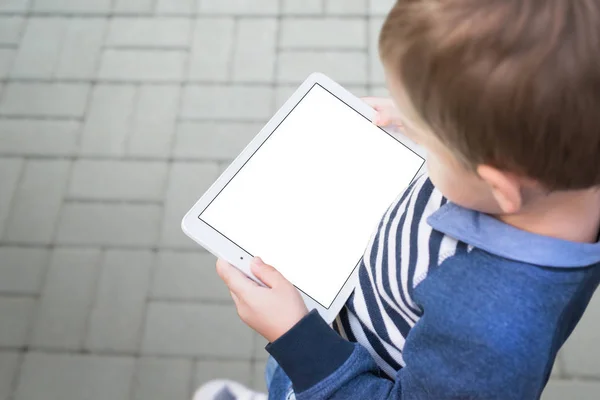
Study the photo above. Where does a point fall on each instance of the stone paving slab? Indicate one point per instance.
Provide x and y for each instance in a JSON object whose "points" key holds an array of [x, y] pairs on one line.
{"points": [[61, 320], [115, 116], [159, 379], [9, 370], [64, 376], [22, 270]]}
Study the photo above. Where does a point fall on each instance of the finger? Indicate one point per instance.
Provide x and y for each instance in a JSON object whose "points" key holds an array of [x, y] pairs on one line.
{"points": [[266, 273], [235, 280]]}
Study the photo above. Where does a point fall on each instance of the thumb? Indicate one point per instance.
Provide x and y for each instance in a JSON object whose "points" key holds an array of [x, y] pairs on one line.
{"points": [[266, 273]]}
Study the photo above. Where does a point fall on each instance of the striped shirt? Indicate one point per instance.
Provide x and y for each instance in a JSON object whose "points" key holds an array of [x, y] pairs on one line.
{"points": [[404, 248]]}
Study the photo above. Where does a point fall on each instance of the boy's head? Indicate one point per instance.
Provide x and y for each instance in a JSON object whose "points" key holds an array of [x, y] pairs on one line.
{"points": [[504, 95]]}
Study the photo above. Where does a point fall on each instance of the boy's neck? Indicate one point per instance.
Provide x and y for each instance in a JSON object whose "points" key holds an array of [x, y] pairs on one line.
{"points": [[573, 216]]}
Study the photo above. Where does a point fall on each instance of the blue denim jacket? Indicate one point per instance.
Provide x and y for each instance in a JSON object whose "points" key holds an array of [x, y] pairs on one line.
{"points": [[492, 322]]}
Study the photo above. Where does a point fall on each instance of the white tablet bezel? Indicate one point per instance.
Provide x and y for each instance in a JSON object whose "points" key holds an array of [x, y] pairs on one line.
{"points": [[221, 246]]}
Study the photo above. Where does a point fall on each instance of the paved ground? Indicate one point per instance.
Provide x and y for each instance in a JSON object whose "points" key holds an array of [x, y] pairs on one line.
{"points": [[115, 115]]}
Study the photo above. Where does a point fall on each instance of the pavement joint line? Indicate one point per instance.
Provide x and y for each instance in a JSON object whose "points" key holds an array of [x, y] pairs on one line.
{"points": [[131, 119], [322, 50], [37, 117], [118, 202], [193, 15], [84, 342], [13, 198], [183, 82], [17, 295], [112, 353], [153, 48], [196, 301], [192, 249], [233, 50], [99, 157]]}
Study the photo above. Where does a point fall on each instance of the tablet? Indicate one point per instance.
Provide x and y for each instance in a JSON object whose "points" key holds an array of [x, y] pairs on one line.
{"points": [[307, 193]]}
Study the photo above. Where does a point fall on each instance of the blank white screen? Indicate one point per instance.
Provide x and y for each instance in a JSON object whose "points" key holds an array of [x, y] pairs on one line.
{"points": [[310, 197]]}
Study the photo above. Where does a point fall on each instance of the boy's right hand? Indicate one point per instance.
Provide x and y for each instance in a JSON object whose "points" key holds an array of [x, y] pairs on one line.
{"points": [[387, 112]]}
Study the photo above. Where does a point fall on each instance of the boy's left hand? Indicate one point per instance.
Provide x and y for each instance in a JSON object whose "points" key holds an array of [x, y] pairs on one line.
{"points": [[270, 311]]}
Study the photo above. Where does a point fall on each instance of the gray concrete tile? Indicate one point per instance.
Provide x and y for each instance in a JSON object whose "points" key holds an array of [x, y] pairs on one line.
{"points": [[557, 370], [153, 124], [65, 48], [180, 329], [9, 368], [560, 390], [73, 6], [118, 312], [118, 180], [376, 73], [15, 314], [187, 276], [316, 33], [60, 322], [109, 224], [186, 183], [22, 270], [580, 353], [142, 65], [227, 102], [255, 46], [44, 99], [80, 48], [149, 32], [38, 137], [238, 371], [259, 343], [175, 7], [17, 6], [239, 7], [214, 36], [133, 6], [75, 377], [346, 7], [160, 379], [380, 7], [344, 67], [284, 92], [10, 171], [10, 29], [107, 123], [213, 140], [37, 202], [297, 7], [258, 376], [40, 48], [7, 57]]}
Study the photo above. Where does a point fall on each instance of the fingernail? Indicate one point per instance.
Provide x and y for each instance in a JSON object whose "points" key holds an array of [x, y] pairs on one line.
{"points": [[257, 261]]}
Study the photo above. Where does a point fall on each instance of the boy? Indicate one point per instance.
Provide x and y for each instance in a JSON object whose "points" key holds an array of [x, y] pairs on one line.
{"points": [[479, 272]]}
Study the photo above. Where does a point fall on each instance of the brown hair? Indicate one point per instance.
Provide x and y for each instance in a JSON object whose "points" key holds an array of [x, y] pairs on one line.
{"points": [[510, 83]]}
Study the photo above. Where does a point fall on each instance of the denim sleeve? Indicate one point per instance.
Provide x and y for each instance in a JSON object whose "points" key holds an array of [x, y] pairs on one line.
{"points": [[489, 330], [437, 367]]}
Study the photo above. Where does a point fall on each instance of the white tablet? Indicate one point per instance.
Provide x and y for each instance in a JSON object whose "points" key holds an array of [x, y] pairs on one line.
{"points": [[307, 193]]}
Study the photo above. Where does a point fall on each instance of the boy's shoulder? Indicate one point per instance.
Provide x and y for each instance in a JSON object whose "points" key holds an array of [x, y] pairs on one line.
{"points": [[511, 265], [515, 288]]}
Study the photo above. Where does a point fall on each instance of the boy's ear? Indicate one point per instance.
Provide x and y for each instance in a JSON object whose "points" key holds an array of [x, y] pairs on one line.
{"points": [[505, 187]]}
